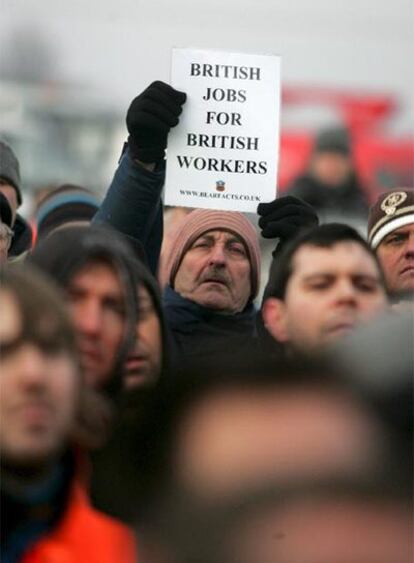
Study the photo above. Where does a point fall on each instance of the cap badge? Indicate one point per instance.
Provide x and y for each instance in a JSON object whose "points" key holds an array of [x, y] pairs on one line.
{"points": [[392, 201]]}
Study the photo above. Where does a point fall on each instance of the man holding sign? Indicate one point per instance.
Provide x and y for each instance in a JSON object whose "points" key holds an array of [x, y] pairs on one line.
{"points": [[214, 261]]}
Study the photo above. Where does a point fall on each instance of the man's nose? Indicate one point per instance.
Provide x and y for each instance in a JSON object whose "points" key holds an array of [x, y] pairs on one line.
{"points": [[217, 255], [409, 251], [33, 366], [88, 318], [345, 293]]}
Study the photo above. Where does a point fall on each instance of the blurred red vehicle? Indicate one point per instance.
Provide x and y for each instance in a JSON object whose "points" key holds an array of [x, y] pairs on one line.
{"points": [[382, 158]]}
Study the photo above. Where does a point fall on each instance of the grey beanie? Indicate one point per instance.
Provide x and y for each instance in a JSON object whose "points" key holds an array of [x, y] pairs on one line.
{"points": [[333, 139], [9, 169]]}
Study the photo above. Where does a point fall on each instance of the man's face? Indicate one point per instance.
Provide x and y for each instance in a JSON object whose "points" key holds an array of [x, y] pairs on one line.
{"points": [[280, 434], [97, 307], [144, 361], [331, 168], [215, 272], [330, 291], [10, 194], [396, 255], [39, 392]]}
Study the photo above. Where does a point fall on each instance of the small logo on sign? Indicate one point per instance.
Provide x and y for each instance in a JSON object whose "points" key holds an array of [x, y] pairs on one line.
{"points": [[220, 186], [391, 202]]}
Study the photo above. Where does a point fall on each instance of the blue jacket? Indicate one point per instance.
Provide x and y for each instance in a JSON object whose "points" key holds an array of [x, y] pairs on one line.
{"points": [[133, 206]]}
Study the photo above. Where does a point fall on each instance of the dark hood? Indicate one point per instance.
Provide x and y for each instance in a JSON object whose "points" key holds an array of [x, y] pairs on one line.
{"points": [[22, 237]]}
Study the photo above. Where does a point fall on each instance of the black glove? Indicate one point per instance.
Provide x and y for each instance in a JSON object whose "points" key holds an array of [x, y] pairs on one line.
{"points": [[284, 217], [149, 119]]}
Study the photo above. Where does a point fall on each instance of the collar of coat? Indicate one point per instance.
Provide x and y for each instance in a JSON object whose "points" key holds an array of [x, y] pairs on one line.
{"points": [[181, 312]]}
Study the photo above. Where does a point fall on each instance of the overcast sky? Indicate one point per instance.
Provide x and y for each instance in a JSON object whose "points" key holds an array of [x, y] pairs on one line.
{"points": [[119, 46]]}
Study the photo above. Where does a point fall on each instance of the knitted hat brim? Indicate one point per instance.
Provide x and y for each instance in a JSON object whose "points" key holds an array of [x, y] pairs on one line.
{"points": [[391, 226]]}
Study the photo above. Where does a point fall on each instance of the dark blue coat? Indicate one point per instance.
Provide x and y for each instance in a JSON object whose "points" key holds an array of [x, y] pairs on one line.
{"points": [[133, 206]]}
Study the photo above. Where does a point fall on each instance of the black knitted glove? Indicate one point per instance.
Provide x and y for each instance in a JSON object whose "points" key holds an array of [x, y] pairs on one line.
{"points": [[284, 217], [149, 119]]}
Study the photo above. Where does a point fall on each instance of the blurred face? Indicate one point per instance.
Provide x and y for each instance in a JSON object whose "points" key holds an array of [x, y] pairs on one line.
{"points": [[331, 168], [396, 254], [144, 361], [98, 311], [279, 435], [330, 291], [38, 395], [215, 272], [292, 533]]}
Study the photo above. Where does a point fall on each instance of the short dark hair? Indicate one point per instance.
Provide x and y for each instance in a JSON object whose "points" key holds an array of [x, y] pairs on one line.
{"points": [[46, 323], [44, 319], [323, 236]]}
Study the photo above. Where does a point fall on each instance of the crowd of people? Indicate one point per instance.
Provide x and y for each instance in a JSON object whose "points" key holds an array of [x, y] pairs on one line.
{"points": [[154, 409]]}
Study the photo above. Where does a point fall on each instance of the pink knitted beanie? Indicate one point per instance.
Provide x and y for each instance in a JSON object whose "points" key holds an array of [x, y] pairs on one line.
{"points": [[199, 222]]}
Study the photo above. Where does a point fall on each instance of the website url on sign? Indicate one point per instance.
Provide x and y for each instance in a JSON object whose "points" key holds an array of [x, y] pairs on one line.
{"points": [[218, 195]]}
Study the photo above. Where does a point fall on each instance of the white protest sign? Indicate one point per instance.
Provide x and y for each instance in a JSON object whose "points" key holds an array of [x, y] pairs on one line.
{"points": [[224, 152]]}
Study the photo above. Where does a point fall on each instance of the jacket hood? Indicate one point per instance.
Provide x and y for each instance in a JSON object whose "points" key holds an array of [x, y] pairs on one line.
{"points": [[65, 252], [144, 276]]}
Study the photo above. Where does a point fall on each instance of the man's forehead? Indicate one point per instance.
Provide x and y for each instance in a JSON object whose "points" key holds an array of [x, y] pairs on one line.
{"points": [[97, 263], [311, 258], [96, 266], [7, 188], [224, 234], [11, 324]]}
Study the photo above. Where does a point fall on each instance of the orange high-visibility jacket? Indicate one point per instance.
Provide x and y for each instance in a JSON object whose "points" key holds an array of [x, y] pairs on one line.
{"points": [[84, 535]]}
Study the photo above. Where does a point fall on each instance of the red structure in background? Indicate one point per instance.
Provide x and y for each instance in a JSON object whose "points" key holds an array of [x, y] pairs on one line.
{"points": [[382, 161]]}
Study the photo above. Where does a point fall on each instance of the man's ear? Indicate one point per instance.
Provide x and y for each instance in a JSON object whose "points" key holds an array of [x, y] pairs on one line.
{"points": [[274, 318]]}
